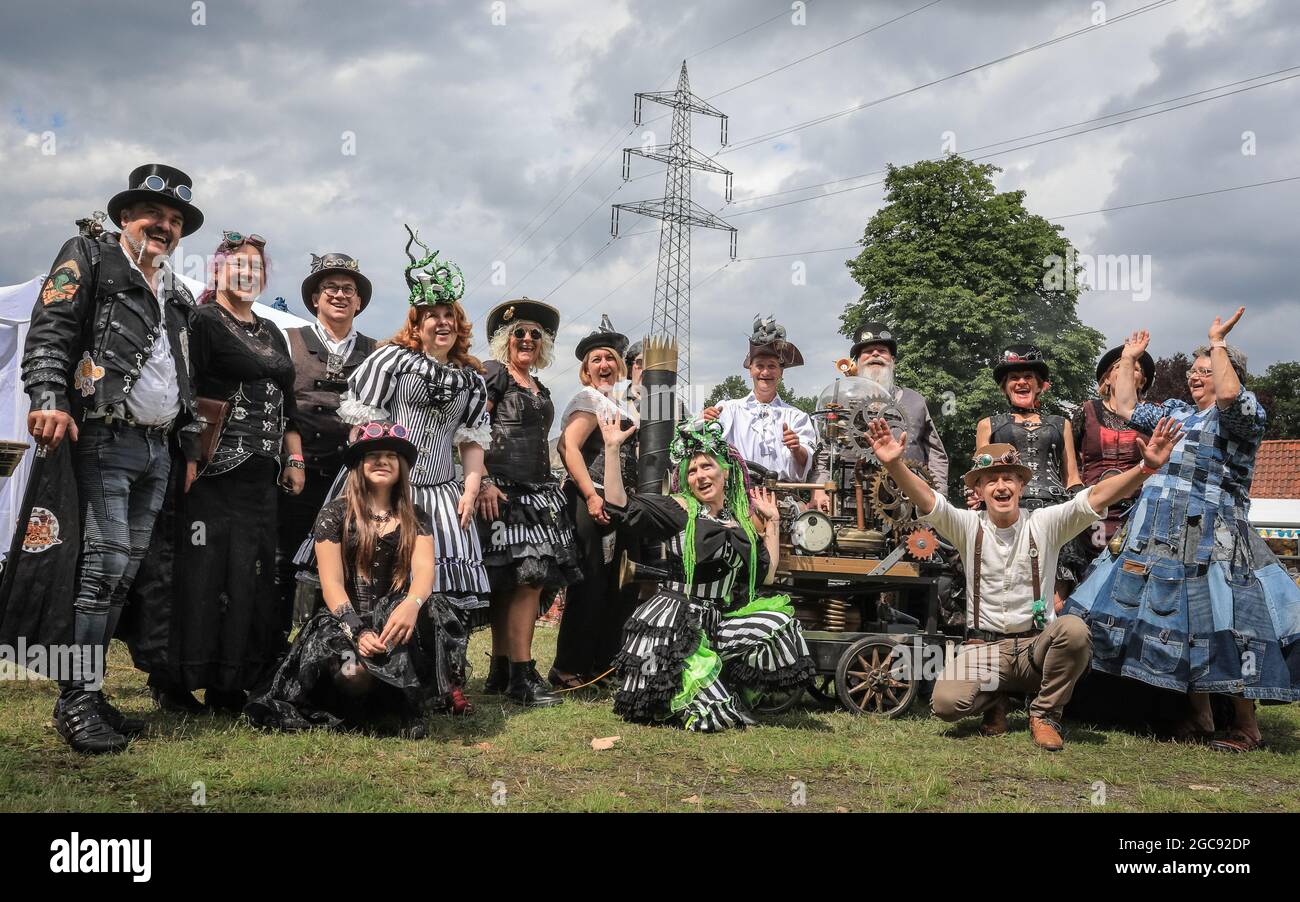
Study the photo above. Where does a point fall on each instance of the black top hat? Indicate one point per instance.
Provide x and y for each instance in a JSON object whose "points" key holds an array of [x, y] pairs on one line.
{"points": [[768, 337], [507, 313], [1108, 360], [160, 184], [329, 264], [871, 333], [1020, 357], [380, 436], [603, 337]]}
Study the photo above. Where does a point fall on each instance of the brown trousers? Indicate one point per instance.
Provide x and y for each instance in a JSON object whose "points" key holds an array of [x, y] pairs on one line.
{"points": [[1046, 667]]}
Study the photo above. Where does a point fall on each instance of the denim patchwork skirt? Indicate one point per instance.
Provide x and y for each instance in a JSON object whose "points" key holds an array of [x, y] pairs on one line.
{"points": [[1194, 627]]}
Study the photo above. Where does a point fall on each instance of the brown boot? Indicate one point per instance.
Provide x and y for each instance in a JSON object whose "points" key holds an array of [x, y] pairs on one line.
{"points": [[1046, 734], [995, 719]]}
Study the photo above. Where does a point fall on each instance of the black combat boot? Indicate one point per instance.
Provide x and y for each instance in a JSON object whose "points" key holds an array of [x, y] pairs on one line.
{"points": [[78, 719], [498, 677], [527, 688]]}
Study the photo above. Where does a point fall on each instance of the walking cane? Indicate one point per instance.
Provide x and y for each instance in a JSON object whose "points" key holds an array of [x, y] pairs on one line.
{"points": [[20, 527]]}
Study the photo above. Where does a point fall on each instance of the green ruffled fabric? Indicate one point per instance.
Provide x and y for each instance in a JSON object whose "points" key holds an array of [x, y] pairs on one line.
{"points": [[702, 668], [779, 603]]}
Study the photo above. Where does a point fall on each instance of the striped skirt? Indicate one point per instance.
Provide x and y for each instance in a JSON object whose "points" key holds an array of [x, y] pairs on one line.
{"points": [[459, 573], [681, 661], [531, 542]]}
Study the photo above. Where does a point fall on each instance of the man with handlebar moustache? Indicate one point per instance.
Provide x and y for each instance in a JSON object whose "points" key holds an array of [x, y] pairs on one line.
{"points": [[1016, 642]]}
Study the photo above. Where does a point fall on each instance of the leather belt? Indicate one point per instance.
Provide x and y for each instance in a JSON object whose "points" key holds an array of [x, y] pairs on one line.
{"points": [[110, 419], [989, 636]]}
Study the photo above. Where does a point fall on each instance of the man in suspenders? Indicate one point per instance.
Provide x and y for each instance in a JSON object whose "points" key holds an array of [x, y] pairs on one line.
{"points": [[1015, 640]]}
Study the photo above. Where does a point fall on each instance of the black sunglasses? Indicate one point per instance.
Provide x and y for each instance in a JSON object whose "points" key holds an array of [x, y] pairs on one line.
{"points": [[158, 183], [534, 334]]}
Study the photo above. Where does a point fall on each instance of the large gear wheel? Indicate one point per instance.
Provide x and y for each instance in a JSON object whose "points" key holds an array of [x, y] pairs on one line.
{"points": [[854, 444], [922, 543], [888, 501]]}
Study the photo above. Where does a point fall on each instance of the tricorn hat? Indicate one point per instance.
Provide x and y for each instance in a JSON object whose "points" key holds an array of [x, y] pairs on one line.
{"points": [[160, 184], [871, 333], [1020, 357], [768, 337], [603, 337], [380, 436], [507, 313], [994, 458], [1108, 360], [331, 264]]}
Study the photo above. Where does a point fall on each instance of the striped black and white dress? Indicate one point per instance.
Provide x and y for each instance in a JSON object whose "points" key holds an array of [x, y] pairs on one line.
{"points": [[761, 650], [531, 542], [443, 406]]}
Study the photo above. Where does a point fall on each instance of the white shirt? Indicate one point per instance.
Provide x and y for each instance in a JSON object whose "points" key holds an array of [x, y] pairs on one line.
{"points": [[756, 430], [1006, 581], [342, 347], [155, 398]]}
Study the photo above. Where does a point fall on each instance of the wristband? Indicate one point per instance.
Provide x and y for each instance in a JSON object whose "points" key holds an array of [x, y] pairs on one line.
{"points": [[1219, 344], [350, 622], [1145, 470], [292, 464]]}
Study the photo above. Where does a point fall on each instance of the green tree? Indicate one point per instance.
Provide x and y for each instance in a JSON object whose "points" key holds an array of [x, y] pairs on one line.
{"points": [[738, 387], [1170, 381], [1279, 394], [959, 271]]}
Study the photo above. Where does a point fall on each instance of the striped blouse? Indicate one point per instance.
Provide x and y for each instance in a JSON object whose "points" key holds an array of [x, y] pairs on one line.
{"points": [[442, 405]]}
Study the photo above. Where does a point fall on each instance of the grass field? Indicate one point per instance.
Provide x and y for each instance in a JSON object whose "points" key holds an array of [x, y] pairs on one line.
{"points": [[506, 758]]}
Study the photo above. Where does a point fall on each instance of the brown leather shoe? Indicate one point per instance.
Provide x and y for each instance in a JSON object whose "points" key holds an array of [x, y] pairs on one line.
{"points": [[995, 719], [1045, 733]]}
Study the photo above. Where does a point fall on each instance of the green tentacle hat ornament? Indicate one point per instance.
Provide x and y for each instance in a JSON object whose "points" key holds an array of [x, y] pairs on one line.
{"points": [[430, 280]]}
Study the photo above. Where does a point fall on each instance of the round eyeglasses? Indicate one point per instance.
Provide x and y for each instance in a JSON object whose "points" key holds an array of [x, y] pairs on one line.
{"points": [[158, 183]]}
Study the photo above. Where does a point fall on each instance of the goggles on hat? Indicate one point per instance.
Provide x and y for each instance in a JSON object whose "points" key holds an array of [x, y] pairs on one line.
{"points": [[380, 430], [158, 183], [1006, 458]]}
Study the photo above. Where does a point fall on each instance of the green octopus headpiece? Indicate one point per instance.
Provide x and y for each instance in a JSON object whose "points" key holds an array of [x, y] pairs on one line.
{"points": [[432, 281]]}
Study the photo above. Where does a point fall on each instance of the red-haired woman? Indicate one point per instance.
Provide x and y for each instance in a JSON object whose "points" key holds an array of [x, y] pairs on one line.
{"points": [[425, 378], [387, 645]]}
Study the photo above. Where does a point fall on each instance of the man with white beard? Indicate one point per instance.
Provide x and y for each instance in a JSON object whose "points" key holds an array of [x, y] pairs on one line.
{"points": [[875, 350]]}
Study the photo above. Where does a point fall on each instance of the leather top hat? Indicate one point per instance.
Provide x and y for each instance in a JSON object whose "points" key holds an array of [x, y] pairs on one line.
{"points": [[380, 436], [1108, 360], [523, 310], [995, 458], [334, 264], [768, 337], [871, 333], [1020, 357], [160, 184], [603, 337]]}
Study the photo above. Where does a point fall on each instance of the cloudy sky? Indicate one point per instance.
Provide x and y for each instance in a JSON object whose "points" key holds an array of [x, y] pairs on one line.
{"points": [[496, 129]]}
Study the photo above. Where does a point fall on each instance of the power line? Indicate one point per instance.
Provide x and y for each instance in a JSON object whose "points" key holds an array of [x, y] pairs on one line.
{"points": [[1074, 134], [1048, 131], [759, 139], [1165, 200]]}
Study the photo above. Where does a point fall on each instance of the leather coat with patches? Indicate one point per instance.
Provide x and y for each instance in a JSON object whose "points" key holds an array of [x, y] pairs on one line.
{"points": [[93, 326]]}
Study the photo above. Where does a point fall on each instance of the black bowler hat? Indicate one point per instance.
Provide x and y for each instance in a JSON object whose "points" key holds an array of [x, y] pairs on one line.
{"points": [[331, 264], [508, 313], [161, 184], [603, 337], [380, 436], [1020, 357], [873, 333], [1108, 360]]}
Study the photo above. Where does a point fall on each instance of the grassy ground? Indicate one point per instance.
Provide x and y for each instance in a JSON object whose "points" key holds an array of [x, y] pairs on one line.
{"points": [[506, 758]]}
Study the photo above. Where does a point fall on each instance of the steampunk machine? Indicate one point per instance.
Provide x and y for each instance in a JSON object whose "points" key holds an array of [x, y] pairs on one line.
{"points": [[866, 578]]}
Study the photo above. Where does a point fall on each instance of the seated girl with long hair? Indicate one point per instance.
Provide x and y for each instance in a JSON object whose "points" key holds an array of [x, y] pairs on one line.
{"points": [[387, 647]]}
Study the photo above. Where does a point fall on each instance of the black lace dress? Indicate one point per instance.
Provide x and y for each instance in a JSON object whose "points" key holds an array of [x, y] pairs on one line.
{"points": [[411, 680], [225, 626]]}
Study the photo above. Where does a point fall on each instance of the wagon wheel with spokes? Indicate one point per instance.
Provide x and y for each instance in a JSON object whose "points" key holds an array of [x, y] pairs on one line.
{"points": [[870, 679], [822, 691], [778, 701]]}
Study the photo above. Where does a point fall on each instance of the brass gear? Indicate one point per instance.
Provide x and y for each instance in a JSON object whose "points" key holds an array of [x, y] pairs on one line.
{"points": [[888, 501], [922, 543]]}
